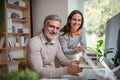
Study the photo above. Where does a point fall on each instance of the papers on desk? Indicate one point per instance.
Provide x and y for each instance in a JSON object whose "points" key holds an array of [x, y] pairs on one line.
{"points": [[85, 65], [92, 56]]}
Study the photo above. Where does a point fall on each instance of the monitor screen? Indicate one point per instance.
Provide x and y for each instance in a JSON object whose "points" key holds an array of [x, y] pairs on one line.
{"points": [[112, 40]]}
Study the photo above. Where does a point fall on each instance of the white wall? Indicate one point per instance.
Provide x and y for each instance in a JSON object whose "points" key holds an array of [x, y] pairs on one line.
{"points": [[42, 8], [75, 4]]}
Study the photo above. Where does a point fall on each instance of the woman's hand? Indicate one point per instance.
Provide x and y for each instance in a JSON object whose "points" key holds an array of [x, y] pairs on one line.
{"points": [[79, 49]]}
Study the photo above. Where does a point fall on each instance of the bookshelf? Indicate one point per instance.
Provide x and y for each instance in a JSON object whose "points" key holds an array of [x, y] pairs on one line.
{"points": [[18, 12], [17, 31]]}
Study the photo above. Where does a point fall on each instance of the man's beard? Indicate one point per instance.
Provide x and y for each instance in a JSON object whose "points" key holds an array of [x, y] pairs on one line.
{"points": [[48, 35]]}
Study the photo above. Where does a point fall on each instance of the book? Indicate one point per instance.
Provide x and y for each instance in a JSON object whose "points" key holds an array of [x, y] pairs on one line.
{"points": [[2, 40]]}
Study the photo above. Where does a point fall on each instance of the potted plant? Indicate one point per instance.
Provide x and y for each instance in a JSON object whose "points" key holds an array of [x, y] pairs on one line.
{"points": [[22, 75], [101, 53]]}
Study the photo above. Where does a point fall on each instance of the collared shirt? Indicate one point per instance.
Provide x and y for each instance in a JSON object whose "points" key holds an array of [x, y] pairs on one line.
{"points": [[44, 41], [41, 57]]}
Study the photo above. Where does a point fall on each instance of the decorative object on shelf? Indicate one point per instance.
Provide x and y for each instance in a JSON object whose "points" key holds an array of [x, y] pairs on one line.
{"points": [[20, 3], [13, 29], [15, 15], [17, 44]]}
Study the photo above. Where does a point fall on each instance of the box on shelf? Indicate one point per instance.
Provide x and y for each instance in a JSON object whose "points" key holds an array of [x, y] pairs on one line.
{"points": [[23, 30]]}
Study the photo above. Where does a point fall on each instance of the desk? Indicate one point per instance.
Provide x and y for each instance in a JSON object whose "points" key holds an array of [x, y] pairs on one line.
{"points": [[86, 74]]}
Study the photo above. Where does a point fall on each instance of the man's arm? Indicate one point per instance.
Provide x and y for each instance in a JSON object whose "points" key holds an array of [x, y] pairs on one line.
{"points": [[61, 56]]}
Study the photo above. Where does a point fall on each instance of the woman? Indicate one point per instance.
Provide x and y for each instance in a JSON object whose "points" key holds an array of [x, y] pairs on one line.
{"points": [[72, 35]]}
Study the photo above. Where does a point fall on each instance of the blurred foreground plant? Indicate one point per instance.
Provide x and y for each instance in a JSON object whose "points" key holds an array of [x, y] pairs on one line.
{"points": [[22, 75]]}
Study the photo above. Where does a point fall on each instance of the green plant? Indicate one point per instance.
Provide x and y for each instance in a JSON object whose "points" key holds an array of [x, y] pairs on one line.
{"points": [[99, 49], [22, 75], [101, 53]]}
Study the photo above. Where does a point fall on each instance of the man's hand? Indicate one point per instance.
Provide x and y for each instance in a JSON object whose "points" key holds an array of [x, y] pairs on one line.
{"points": [[74, 68]]}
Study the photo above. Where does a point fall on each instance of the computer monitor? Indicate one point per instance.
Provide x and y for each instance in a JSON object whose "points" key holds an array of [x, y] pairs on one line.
{"points": [[112, 40]]}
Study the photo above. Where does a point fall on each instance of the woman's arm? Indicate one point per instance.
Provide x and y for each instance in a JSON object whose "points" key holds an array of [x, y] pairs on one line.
{"points": [[83, 38], [63, 42]]}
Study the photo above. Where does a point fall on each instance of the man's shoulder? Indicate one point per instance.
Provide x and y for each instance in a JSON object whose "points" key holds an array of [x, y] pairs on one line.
{"points": [[35, 42], [35, 38]]}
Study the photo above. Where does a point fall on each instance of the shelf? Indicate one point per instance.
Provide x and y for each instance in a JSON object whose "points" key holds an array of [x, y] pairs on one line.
{"points": [[13, 6], [17, 47], [2, 49], [18, 33], [2, 63], [19, 20], [19, 58]]}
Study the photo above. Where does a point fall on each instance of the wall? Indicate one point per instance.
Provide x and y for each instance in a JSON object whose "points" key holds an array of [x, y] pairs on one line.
{"points": [[42, 8], [76, 4]]}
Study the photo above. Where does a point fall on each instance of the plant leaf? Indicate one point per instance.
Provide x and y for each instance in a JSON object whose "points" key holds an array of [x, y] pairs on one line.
{"points": [[98, 50], [99, 55], [99, 43]]}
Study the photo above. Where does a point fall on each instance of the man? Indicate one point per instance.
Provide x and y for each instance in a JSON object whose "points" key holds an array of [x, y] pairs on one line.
{"points": [[45, 47]]}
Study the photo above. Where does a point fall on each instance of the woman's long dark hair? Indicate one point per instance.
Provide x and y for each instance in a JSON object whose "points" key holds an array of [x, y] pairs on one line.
{"points": [[66, 28]]}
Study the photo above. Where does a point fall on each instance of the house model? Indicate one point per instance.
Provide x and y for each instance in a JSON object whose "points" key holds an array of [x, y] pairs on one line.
{"points": [[92, 55]]}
